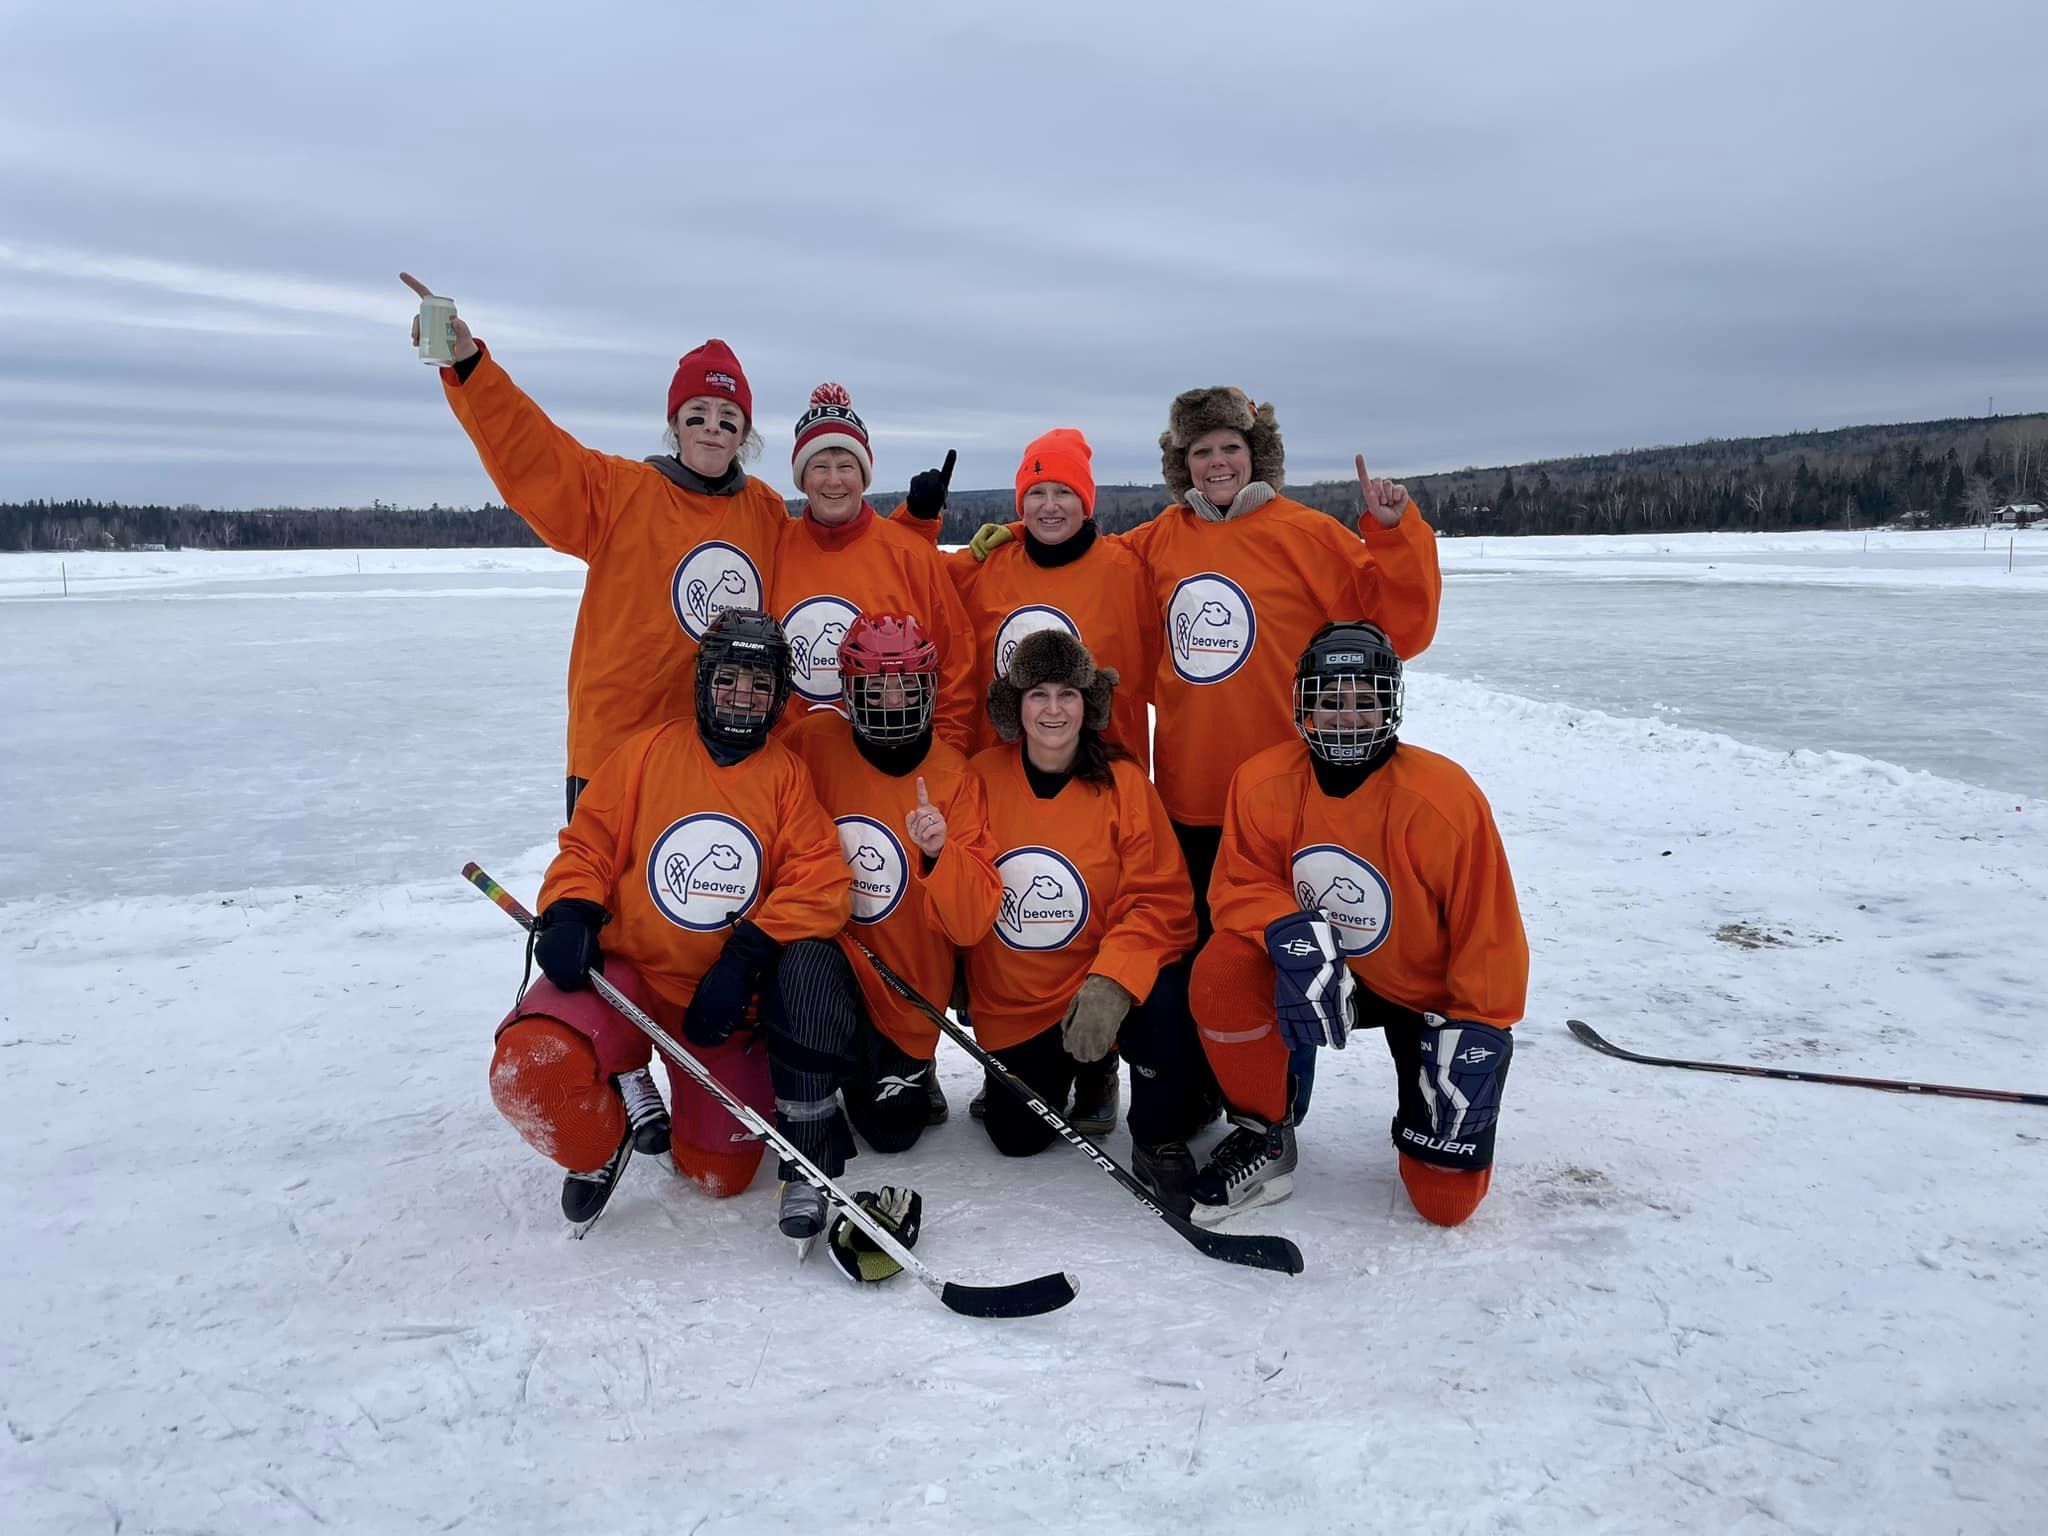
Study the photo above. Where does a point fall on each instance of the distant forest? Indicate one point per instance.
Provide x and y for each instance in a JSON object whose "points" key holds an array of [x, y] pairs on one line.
{"points": [[1926, 473]]}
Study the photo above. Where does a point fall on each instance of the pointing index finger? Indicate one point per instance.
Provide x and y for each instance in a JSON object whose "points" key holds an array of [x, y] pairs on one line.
{"points": [[922, 797], [946, 469], [1364, 474]]}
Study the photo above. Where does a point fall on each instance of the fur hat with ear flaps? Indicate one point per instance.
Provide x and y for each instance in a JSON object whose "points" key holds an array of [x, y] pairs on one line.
{"points": [[1196, 411], [1049, 656]]}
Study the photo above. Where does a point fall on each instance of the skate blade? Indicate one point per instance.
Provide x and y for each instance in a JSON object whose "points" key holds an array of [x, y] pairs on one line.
{"points": [[1272, 1192], [804, 1245]]}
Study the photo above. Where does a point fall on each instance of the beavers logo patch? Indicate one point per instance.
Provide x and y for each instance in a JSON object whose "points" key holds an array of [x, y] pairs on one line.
{"points": [[1045, 900], [703, 870], [1210, 628], [1349, 892]]}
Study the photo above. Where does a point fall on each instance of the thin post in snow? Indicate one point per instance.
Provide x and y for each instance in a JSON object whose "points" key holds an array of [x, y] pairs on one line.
{"points": [[2008, 553], [64, 576]]}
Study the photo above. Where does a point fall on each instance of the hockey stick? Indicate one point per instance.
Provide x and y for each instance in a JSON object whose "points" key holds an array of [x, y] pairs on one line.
{"points": [[1592, 1037], [1276, 1253], [1026, 1298]]}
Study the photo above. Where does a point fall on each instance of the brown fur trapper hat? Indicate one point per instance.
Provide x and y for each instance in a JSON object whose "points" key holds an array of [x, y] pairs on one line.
{"points": [[1049, 656], [1204, 410]]}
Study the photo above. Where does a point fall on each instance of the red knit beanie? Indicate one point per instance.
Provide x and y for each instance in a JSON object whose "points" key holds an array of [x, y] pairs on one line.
{"points": [[1063, 457], [830, 423], [710, 370]]}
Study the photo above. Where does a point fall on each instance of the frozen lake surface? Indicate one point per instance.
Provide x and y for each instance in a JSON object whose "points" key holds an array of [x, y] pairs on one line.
{"points": [[276, 1264], [221, 722]]}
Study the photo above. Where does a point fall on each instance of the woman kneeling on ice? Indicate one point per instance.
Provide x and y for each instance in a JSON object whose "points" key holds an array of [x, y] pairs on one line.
{"points": [[1360, 883], [913, 824], [700, 874], [1097, 915]]}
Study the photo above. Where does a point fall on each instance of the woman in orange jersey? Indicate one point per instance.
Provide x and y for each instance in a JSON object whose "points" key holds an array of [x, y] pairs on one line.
{"points": [[913, 824], [1096, 915], [839, 560], [701, 875], [1060, 575], [1360, 883], [1241, 577], [671, 542]]}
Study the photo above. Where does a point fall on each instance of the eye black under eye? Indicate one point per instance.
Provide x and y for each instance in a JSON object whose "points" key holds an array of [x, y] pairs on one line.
{"points": [[693, 421], [730, 426]]}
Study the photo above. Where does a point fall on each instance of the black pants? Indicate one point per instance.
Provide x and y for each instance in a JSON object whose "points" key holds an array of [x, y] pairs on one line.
{"points": [[1172, 1091], [1198, 846], [884, 1093], [811, 1025], [881, 1083]]}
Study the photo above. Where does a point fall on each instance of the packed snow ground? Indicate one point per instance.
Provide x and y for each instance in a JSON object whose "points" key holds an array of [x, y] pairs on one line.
{"points": [[279, 1265]]}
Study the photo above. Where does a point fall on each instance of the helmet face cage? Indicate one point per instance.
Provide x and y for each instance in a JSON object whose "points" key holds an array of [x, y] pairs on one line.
{"points": [[1348, 692], [891, 706], [889, 674], [1346, 717], [742, 678]]}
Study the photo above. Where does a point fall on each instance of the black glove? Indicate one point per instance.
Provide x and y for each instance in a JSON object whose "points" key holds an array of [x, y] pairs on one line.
{"points": [[928, 488], [734, 978], [565, 942]]}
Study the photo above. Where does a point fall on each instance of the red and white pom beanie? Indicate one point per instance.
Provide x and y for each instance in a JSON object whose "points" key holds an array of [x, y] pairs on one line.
{"points": [[830, 423]]}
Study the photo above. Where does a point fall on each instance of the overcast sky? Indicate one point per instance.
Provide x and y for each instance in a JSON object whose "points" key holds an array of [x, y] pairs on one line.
{"points": [[1441, 234]]}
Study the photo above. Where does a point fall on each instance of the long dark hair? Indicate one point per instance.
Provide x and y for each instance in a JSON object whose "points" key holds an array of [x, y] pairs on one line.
{"points": [[1093, 754]]}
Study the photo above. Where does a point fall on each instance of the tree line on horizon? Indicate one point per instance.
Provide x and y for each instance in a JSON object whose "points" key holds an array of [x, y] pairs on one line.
{"points": [[1947, 473]]}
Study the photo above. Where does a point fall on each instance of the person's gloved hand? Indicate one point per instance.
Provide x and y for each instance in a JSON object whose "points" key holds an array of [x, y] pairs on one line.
{"points": [[928, 488], [1313, 987], [989, 538], [565, 942], [1089, 1029], [731, 983]]}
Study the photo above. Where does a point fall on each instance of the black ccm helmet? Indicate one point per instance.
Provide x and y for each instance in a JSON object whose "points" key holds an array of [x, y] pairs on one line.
{"points": [[1351, 673], [741, 637]]}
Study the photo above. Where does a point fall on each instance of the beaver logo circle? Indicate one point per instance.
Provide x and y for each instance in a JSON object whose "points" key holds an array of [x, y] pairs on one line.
{"points": [[1045, 901], [711, 578], [1028, 620], [815, 627], [1353, 895], [876, 859], [1210, 628], [704, 869]]}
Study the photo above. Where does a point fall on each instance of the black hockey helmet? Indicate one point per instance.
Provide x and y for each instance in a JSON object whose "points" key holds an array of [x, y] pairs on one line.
{"points": [[1347, 692], [740, 638]]}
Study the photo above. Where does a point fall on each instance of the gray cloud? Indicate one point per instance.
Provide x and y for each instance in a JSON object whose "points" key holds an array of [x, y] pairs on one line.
{"points": [[1464, 234]]}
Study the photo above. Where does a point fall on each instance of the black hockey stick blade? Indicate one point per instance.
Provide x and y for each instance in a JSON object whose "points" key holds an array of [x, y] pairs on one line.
{"points": [[1251, 1250], [1027, 1298], [1588, 1035]]}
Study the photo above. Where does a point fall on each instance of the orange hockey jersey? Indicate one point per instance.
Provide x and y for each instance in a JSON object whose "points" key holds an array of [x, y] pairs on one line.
{"points": [[663, 561], [1408, 868], [674, 846], [1240, 600], [914, 918], [1105, 598], [1093, 883], [826, 576]]}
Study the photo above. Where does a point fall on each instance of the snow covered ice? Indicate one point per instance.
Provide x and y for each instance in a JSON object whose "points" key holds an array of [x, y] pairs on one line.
{"points": [[277, 1264]]}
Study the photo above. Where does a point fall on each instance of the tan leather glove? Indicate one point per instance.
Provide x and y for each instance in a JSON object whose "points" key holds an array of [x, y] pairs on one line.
{"points": [[1089, 1029]]}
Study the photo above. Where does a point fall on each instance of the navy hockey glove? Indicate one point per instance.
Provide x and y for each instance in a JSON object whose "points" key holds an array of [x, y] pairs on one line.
{"points": [[1313, 988], [565, 942], [928, 487], [1450, 1098], [732, 982]]}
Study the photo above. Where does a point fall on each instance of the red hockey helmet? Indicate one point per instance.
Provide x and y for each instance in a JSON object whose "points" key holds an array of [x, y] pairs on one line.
{"points": [[889, 671]]}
